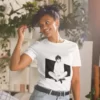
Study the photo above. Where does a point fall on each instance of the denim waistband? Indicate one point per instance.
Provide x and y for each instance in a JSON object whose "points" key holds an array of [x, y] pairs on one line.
{"points": [[52, 92]]}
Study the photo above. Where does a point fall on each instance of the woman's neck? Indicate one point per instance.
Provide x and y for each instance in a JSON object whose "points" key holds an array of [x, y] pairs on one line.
{"points": [[56, 39]]}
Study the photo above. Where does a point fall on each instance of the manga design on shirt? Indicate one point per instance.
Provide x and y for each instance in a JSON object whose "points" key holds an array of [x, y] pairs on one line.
{"points": [[57, 70]]}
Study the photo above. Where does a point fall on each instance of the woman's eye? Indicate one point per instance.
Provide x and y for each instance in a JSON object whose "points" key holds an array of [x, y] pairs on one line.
{"points": [[47, 22]]}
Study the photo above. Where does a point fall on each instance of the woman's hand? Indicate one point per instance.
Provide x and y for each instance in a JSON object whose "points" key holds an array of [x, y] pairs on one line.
{"points": [[21, 31]]}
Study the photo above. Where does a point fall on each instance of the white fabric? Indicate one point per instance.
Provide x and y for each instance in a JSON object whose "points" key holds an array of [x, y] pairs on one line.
{"points": [[6, 96], [49, 55]]}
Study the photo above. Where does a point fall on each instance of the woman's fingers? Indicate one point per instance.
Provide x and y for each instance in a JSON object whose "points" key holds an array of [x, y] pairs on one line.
{"points": [[21, 31], [22, 28]]}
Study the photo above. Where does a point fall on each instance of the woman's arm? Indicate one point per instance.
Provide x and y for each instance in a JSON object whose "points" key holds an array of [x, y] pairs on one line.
{"points": [[75, 83], [18, 61]]}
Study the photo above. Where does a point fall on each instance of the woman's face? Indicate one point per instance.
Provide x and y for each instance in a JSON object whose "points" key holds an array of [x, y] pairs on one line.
{"points": [[58, 60], [49, 26]]}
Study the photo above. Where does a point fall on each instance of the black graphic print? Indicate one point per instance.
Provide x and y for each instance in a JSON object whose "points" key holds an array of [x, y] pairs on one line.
{"points": [[56, 70]]}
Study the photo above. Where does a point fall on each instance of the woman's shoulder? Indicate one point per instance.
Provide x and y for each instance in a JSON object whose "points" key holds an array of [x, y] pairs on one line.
{"points": [[70, 42], [37, 43]]}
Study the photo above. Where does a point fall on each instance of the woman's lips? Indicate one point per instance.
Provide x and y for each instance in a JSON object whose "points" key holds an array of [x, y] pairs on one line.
{"points": [[47, 30]]}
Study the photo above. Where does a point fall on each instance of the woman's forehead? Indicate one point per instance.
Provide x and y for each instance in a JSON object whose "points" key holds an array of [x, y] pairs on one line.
{"points": [[45, 17]]}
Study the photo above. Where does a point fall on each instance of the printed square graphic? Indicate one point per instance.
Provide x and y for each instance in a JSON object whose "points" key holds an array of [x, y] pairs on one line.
{"points": [[56, 70]]}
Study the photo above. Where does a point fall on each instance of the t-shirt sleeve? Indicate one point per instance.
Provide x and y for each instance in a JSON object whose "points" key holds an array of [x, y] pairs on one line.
{"points": [[76, 57], [31, 52]]}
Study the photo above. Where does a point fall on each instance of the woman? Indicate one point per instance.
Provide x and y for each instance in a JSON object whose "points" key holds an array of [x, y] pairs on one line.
{"points": [[45, 52]]}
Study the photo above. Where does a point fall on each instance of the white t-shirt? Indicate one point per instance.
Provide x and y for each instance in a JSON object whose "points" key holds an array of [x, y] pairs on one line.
{"points": [[55, 62]]}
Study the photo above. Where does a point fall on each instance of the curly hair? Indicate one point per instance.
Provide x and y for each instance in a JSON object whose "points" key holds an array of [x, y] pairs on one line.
{"points": [[51, 10], [57, 57]]}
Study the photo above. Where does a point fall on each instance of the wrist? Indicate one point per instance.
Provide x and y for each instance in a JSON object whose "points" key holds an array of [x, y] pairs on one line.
{"points": [[19, 43], [20, 40]]}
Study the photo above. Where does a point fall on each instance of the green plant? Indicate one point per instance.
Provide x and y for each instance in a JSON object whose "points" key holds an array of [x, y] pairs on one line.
{"points": [[91, 94], [8, 25], [5, 55], [75, 24], [9, 22], [76, 20]]}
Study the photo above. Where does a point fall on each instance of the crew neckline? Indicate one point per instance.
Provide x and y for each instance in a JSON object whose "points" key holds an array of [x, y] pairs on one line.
{"points": [[53, 43]]}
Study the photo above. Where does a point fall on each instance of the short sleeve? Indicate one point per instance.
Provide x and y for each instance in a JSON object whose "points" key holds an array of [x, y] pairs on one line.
{"points": [[31, 52], [76, 57]]}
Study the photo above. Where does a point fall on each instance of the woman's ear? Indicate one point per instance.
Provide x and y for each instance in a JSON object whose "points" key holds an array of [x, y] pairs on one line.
{"points": [[57, 23]]}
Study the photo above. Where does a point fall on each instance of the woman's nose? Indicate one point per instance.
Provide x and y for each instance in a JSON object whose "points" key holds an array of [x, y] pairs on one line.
{"points": [[44, 27]]}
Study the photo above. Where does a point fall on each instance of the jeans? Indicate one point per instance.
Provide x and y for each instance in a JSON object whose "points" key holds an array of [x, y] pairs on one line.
{"points": [[37, 95]]}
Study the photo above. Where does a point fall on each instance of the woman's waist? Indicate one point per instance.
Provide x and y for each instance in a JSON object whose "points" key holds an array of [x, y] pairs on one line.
{"points": [[54, 85]]}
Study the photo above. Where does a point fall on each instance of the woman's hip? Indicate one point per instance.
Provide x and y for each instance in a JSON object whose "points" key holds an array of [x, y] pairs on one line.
{"points": [[41, 94]]}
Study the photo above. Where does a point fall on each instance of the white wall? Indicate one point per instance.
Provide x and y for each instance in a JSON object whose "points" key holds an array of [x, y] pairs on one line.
{"points": [[86, 69]]}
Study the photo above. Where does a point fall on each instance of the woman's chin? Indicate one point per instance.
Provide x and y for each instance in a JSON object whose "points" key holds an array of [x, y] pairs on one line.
{"points": [[49, 35]]}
